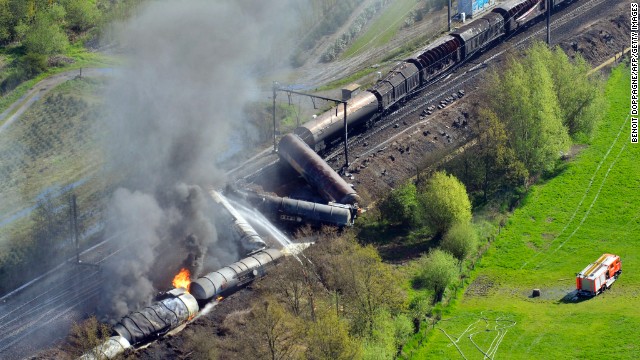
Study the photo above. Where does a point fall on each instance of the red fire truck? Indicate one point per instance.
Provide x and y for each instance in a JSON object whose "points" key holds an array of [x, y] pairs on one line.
{"points": [[598, 276]]}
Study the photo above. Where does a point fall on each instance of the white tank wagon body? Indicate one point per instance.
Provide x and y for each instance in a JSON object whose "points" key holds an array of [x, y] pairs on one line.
{"points": [[249, 238], [158, 318], [297, 211], [231, 278], [110, 349]]}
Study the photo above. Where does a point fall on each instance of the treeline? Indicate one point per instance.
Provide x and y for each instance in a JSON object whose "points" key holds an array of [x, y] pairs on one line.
{"points": [[39, 29], [439, 207], [338, 301], [533, 111]]}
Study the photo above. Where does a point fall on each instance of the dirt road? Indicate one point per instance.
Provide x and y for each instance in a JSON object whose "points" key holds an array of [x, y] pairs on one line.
{"points": [[35, 93]]}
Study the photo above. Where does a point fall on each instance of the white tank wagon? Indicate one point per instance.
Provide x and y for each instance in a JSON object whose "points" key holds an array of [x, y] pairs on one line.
{"points": [[158, 318], [232, 277], [293, 210], [249, 238], [110, 349]]}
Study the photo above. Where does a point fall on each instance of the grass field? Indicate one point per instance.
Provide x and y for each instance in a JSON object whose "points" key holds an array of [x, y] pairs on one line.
{"points": [[591, 208], [383, 29], [49, 151], [81, 57]]}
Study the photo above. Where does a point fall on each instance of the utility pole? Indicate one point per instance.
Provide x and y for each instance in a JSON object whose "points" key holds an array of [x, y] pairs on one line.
{"points": [[549, 23], [449, 14], [73, 225], [336, 101], [346, 151], [275, 87]]}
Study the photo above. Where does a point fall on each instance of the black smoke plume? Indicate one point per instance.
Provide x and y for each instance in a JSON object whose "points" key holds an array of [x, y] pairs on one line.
{"points": [[192, 66]]}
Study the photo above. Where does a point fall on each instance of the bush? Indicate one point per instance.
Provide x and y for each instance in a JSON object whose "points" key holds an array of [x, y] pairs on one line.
{"points": [[445, 202], [461, 240], [81, 15], [33, 64], [401, 206], [45, 36], [12, 80], [438, 269]]}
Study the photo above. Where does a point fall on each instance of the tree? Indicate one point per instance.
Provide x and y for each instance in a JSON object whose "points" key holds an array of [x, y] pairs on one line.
{"points": [[328, 338], [81, 15], [45, 36], [444, 202], [438, 269], [289, 282], [389, 335], [6, 21], [365, 284], [272, 333], [580, 96], [523, 98], [498, 161], [461, 240], [401, 206]]}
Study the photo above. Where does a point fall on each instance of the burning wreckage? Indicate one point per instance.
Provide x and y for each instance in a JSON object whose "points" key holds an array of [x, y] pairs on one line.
{"points": [[180, 305], [177, 307]]}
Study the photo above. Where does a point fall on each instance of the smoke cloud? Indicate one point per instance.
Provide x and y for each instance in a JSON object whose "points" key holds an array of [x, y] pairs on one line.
{"points": [[192, 67]]}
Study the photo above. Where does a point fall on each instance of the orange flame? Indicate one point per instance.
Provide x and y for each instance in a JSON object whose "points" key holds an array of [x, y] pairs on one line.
{"points": [[182, 279]]}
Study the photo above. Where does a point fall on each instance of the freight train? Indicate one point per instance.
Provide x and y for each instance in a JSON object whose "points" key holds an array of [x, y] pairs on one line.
{"points": [[429, 64]]}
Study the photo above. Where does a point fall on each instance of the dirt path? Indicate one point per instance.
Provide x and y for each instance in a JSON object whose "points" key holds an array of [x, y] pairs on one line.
{"points": [[35, 93]]}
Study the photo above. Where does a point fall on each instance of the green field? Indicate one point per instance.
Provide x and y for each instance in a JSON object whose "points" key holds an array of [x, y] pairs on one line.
{"points": [[51, 148], [591, 208], [383, 29]]}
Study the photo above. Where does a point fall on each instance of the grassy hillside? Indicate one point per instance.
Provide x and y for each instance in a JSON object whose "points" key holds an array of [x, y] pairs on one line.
{"points": [[384, 28], [592, 208], [49, 152]]}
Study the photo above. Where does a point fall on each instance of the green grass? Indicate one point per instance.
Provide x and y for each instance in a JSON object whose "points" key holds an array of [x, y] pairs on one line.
{"points": [[383, 29], [55, 143], [565, 224], [52, 144], [82, 59], [348, 80]]}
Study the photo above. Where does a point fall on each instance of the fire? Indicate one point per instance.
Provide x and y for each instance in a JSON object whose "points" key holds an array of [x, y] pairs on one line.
{"points": [[182, 279]]}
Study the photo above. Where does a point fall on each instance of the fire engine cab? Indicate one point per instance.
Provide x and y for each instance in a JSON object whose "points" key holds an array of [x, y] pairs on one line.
{"points": [[598, 276]]}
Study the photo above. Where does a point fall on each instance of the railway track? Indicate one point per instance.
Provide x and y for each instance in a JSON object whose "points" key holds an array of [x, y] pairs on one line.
{"points": [[27, 317], [446, 84]]}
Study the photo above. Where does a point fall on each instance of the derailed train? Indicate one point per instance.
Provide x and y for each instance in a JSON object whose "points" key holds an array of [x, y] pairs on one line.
{"points": [[419, 70], [178, 306]]}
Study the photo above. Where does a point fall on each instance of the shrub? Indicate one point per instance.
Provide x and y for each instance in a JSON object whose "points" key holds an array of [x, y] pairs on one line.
{"points": [[438, 269], [461, 240], [401, 206], [445, 202]]}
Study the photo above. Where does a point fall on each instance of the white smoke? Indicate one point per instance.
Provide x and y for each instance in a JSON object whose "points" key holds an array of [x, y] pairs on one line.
{"points": [[193, 66]]}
